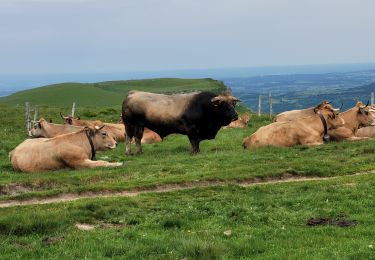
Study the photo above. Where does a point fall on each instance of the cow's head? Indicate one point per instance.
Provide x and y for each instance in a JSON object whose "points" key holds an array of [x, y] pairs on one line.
{"points": [[364, 115], [246, 117], [68, 119], [323, 105], [37, 128], [225, 104], [333, 117], [102, 139]]}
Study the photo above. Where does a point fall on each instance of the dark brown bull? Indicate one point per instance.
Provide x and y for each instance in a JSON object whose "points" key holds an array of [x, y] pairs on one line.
{"points": [[199, 115]]}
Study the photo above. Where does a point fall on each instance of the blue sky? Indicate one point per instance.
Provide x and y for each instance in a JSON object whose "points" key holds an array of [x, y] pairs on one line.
{"points": [[88, 36]]}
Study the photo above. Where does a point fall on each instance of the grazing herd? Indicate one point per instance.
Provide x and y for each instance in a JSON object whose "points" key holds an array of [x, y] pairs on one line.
{"points": [[148, 118]]}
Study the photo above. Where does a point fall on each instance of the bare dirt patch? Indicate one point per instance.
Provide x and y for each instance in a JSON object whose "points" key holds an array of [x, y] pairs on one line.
{"points": [[166, 188], [323, 221]]}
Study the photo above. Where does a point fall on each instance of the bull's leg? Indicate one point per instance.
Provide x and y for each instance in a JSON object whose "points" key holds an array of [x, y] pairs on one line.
{"points": [[194, 145], [138, 138], [129, 133], [92, 164]]}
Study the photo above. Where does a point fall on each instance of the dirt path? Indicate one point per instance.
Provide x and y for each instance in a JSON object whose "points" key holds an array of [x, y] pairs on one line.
{"points": [[164, 188]]}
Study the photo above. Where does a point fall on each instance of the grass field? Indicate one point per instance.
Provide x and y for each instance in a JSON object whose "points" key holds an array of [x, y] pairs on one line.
{"points": [[267, 221]]}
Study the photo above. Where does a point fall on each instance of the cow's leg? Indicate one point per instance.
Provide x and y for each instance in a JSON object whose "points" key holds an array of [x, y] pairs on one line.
{"points": [[138, 138], [341, 133], [129, 133], [92, 164], [357, 138], [194, 145]]}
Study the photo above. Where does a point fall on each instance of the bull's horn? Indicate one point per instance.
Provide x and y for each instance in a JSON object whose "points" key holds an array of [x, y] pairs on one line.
{"points": [[336, 109], [368, 102], [62, 115], [236, 99], [341, 105]]}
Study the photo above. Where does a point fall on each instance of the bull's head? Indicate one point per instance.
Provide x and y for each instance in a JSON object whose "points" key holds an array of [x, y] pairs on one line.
{"points": [[225, 104]]}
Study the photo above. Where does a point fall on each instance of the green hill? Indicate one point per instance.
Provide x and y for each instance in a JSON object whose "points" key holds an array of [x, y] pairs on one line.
{"points": [[107, 93]]}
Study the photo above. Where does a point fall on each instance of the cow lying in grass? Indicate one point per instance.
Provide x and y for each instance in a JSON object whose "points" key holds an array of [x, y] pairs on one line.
{"points": [[42, 128], [117, 130], [295, 114], [356, 117], [241, 122], [74, 150], [305, 131]]}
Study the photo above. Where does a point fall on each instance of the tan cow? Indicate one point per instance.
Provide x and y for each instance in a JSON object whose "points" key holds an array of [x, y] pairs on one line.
{"points": [[294, 114], [69, 120], [356, 117], [117, 130], [74, 150], [304, 131], [241, 122], [42, 128]]}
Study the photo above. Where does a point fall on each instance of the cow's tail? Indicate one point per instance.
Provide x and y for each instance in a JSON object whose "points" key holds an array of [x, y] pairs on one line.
{"points": [[10, 155]]}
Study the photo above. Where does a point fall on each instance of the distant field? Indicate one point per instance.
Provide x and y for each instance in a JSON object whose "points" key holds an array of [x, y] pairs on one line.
{"points": [[105, 93]]}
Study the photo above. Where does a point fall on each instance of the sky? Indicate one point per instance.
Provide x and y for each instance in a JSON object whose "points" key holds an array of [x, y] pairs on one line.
{"points": [[96, 36]]}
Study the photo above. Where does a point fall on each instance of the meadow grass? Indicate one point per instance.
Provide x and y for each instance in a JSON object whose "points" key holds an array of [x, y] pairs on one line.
{"points": [[266, 222]]}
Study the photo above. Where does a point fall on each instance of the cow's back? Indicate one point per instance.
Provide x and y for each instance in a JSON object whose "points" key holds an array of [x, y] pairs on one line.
{"points": [[35, 155], [294, 114]]}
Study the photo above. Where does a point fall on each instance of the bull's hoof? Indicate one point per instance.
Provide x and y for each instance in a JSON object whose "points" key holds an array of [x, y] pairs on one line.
{"points": [[130, 153], [140, 152]]}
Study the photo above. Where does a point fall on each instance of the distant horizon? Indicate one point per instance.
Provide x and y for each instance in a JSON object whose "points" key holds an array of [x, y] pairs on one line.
{"points": [[17, 82]]}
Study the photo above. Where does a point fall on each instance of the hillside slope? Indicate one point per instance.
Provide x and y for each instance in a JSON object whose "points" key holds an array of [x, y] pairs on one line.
{"points": [[107, 93]]}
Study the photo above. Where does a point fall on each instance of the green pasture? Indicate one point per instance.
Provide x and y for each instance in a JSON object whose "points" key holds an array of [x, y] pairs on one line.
{"points": [[266, 221]]}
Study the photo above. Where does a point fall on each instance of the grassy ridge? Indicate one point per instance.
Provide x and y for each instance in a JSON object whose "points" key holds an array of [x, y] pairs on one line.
{"points": [[108, 93]]}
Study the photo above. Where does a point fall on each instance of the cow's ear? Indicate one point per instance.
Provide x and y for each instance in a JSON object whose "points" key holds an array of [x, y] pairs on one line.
{"points": [[70, 121]]}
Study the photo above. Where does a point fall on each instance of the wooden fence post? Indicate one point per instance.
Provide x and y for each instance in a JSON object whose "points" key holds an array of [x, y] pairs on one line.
{"points": [[270, 105], [35, 113], [259, 105], [73, 109], [27, 106]]}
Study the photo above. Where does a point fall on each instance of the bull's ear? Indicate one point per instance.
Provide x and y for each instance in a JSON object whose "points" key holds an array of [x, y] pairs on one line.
{"points": [[216, 101], [70, 121]]}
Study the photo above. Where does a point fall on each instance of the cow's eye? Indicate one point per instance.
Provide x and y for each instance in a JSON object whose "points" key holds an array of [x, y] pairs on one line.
{"points": [[104, 134]]}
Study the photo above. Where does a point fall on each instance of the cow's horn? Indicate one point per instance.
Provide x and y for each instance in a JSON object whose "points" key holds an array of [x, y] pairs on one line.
{"points": [[341, 105], [336, 109], [368, 102], [62, 115]]}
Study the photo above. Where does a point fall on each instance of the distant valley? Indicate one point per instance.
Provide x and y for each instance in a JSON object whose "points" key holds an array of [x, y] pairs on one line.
{"points": [[303, 90]]}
